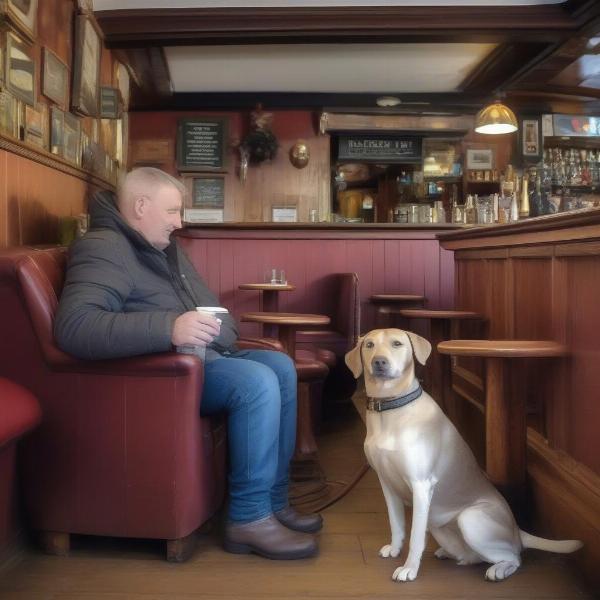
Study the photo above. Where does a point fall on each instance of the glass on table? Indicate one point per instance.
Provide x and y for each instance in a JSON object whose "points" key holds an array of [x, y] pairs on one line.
{"points": [[275, 276]]}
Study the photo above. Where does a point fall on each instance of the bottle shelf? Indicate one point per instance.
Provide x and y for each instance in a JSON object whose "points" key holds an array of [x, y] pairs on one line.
{"points": [[579, 187]]}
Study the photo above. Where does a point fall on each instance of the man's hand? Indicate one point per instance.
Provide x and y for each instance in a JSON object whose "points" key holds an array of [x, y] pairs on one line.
{"points": [[195, 328]]}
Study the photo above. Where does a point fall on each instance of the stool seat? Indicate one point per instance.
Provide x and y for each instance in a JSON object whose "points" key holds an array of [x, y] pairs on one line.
{"points": [[503, 348], [391, 298], [422, 313]]}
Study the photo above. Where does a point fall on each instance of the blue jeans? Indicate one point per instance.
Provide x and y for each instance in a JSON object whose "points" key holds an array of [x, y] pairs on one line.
{"points": [[257, 390]]}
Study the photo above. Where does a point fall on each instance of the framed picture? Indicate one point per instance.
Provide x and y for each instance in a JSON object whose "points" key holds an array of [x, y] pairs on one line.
{"points": [[22, 14], [57, 125], [87, 157], [36, 125], [108, 136], [110, 103], [576, 125], [480, 158], [20, 68], [531, 139], [8, 114], [123, 83], [208, 192], [86, 67], [71, 139], [201, 144], [203, 215], [284, 214], [55, 79]]}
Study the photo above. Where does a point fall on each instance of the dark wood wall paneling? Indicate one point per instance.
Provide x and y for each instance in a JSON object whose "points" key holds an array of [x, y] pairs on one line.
{"points": [[36, 188], [541, 280]]}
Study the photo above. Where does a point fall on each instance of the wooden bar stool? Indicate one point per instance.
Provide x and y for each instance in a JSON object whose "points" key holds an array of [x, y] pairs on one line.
{"points": [[438, 378], [389, 306], [505, 410]]}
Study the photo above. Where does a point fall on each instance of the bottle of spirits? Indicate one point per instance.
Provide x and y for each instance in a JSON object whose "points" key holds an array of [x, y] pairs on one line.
{"points": [[470, 211], [524, 203], [514, 208]]}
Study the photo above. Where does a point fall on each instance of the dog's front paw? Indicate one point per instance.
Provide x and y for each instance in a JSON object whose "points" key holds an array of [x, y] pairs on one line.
{"points": [[405, 573], [388, 551]]}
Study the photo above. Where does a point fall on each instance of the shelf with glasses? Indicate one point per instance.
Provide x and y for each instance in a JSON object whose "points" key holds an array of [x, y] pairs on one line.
{"points": [[444, 178], [577, 187]]}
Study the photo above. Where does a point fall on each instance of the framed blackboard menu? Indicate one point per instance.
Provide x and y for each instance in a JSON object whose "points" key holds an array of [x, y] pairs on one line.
{"points": [[208, 192], [201, 144], [379, 148]]}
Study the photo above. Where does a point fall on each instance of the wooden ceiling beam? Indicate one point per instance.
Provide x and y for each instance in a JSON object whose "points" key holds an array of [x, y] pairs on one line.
{"points": [[168, 27]]}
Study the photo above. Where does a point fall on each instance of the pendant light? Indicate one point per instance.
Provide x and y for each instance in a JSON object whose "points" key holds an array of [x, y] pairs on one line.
{"points": [[496, 118]]}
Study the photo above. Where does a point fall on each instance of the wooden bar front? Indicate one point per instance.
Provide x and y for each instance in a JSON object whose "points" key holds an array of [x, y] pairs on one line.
{"points": [[540, 280]]}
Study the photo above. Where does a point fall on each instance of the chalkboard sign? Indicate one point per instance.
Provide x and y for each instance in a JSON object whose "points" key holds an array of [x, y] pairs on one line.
{"points": [[201, 144], [208, 192], [379, 148]]}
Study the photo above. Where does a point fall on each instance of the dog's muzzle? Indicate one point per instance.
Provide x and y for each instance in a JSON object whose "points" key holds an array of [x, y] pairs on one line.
{"points": [[381, 367]]}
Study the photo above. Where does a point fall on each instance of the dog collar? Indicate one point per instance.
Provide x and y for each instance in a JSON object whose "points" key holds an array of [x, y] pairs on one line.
{"points": [[381, 404]]}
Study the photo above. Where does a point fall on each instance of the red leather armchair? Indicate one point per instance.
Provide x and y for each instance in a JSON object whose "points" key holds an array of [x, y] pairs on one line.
{"points": [[122, 450]]}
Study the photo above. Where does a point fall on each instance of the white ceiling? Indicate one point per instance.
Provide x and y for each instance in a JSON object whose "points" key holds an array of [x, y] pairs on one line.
{"points": [[132, 4], [310, 68]]}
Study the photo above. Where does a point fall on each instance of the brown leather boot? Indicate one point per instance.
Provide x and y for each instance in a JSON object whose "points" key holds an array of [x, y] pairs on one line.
{"points": [[292, 519], [269, 538]]}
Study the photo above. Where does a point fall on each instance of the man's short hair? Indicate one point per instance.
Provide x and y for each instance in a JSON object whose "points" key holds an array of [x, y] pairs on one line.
{"points": [[147, 177]]}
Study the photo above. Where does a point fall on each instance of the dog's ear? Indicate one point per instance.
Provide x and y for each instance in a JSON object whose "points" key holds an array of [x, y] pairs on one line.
{"points": [[354, 359], [421, 346]]}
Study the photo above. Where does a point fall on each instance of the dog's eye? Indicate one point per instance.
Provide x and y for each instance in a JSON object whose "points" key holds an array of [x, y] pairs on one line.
{"points": [[396, 344], [369, 345]]}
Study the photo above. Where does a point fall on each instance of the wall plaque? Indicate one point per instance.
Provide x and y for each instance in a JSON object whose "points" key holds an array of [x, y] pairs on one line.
{"points": [[208, 192], [379, 148], [201, 144]]}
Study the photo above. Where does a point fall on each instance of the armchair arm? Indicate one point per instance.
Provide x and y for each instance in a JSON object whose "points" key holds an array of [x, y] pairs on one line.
{"points": [[167, 364], [259, 344]]}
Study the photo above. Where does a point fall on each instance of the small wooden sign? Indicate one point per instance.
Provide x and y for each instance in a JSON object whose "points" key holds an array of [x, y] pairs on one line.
{"points": [[379, 148], [201, 144], [208, 192], [151, 151]]}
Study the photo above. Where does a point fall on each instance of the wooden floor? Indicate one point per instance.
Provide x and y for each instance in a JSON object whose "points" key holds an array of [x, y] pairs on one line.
{"points": [[347, 567]]}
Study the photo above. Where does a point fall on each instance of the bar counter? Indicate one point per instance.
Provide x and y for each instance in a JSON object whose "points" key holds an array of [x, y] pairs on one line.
{"points": [[539, 279]]}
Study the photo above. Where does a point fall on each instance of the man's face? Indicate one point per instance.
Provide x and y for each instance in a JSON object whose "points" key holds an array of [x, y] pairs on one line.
{"points": [[160, 215]]}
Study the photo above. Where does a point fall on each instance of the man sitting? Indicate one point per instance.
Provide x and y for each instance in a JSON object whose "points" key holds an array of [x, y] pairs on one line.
{"points": [[130, 289]]}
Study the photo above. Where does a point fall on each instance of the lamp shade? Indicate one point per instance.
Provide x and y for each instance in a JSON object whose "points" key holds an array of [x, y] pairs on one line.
{"points": [[496, 118]]}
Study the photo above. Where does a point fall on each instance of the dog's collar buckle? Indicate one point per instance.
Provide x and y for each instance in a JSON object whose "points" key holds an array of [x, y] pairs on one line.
{"points": [[381, 404]]}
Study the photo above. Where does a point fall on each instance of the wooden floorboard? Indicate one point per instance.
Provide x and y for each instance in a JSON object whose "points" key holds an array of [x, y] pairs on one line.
{"points": [[347, 567]]}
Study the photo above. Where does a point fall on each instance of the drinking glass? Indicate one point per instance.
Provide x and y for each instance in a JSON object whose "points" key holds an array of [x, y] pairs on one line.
{"points": [[275, 276]]}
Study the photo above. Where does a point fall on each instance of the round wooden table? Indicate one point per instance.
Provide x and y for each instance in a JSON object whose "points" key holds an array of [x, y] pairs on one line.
{"points": [[388, 308], [269, 299], [287, 324]]}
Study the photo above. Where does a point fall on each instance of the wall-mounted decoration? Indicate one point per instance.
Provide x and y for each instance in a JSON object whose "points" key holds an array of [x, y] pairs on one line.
{"points": [[260, 144], [379, 148], [284, 214], [203, 215], [530, 139], [201, 144], [22, 14], [110, 103], [576, 125], [86, 67], [71, 139], [299, 154], [20, 68], [208, 192], [159, 152], [8, 113], [36, 125], [87, 156], [123, 83], [480, 158], [55, 79], [108, 136], [57, 125]]}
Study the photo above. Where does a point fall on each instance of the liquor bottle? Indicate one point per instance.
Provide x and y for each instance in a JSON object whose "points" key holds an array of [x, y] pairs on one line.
{"points": [[514, 208], [535, 194], [524, 203], [470, 211], [495, 204]]}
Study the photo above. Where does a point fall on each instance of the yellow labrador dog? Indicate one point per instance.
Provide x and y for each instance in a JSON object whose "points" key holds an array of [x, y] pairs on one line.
{"points": [[421, 459]]}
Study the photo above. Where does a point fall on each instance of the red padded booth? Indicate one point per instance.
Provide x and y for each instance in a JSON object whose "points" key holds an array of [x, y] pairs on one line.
{"points": [[19, 413], [122, 450]]}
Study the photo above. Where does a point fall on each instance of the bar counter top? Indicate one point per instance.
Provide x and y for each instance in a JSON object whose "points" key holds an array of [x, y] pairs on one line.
{"points": [[561, 227]]}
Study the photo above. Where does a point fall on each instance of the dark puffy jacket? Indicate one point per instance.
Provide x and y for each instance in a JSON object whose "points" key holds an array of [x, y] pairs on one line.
{"points": [[122, 295]]}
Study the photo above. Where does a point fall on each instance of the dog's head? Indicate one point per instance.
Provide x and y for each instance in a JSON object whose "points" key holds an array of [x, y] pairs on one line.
{"points": [[385, 356]]}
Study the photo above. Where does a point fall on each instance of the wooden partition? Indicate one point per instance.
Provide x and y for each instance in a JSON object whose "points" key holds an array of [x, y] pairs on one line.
{"points": [[386, 259], [540, 279]]}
